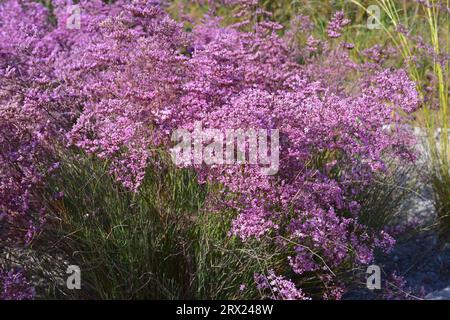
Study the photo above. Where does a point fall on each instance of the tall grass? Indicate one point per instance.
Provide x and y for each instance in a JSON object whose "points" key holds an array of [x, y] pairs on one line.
{"points": [[159, 244]]}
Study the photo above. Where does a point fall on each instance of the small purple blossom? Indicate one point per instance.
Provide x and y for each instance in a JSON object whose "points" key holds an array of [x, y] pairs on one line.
{"points": [[278, 287]]}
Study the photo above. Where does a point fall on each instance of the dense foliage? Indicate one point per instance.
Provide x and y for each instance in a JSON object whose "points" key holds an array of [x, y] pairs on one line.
{"points": [[131, 75]]}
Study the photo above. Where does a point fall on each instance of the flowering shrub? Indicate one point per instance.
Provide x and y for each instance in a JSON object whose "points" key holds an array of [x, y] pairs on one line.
{"points": [[131, 75], [15, 286], [279, 287]]}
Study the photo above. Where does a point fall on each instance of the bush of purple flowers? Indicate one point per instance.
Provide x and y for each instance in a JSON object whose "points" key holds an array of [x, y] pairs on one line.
{"points": [[131, 75]]}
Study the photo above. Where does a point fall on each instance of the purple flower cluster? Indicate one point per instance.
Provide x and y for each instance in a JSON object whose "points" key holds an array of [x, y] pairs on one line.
{"points": [[15, 286], [336, 24], [30, 113], [119, 86], [279, 288]]}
